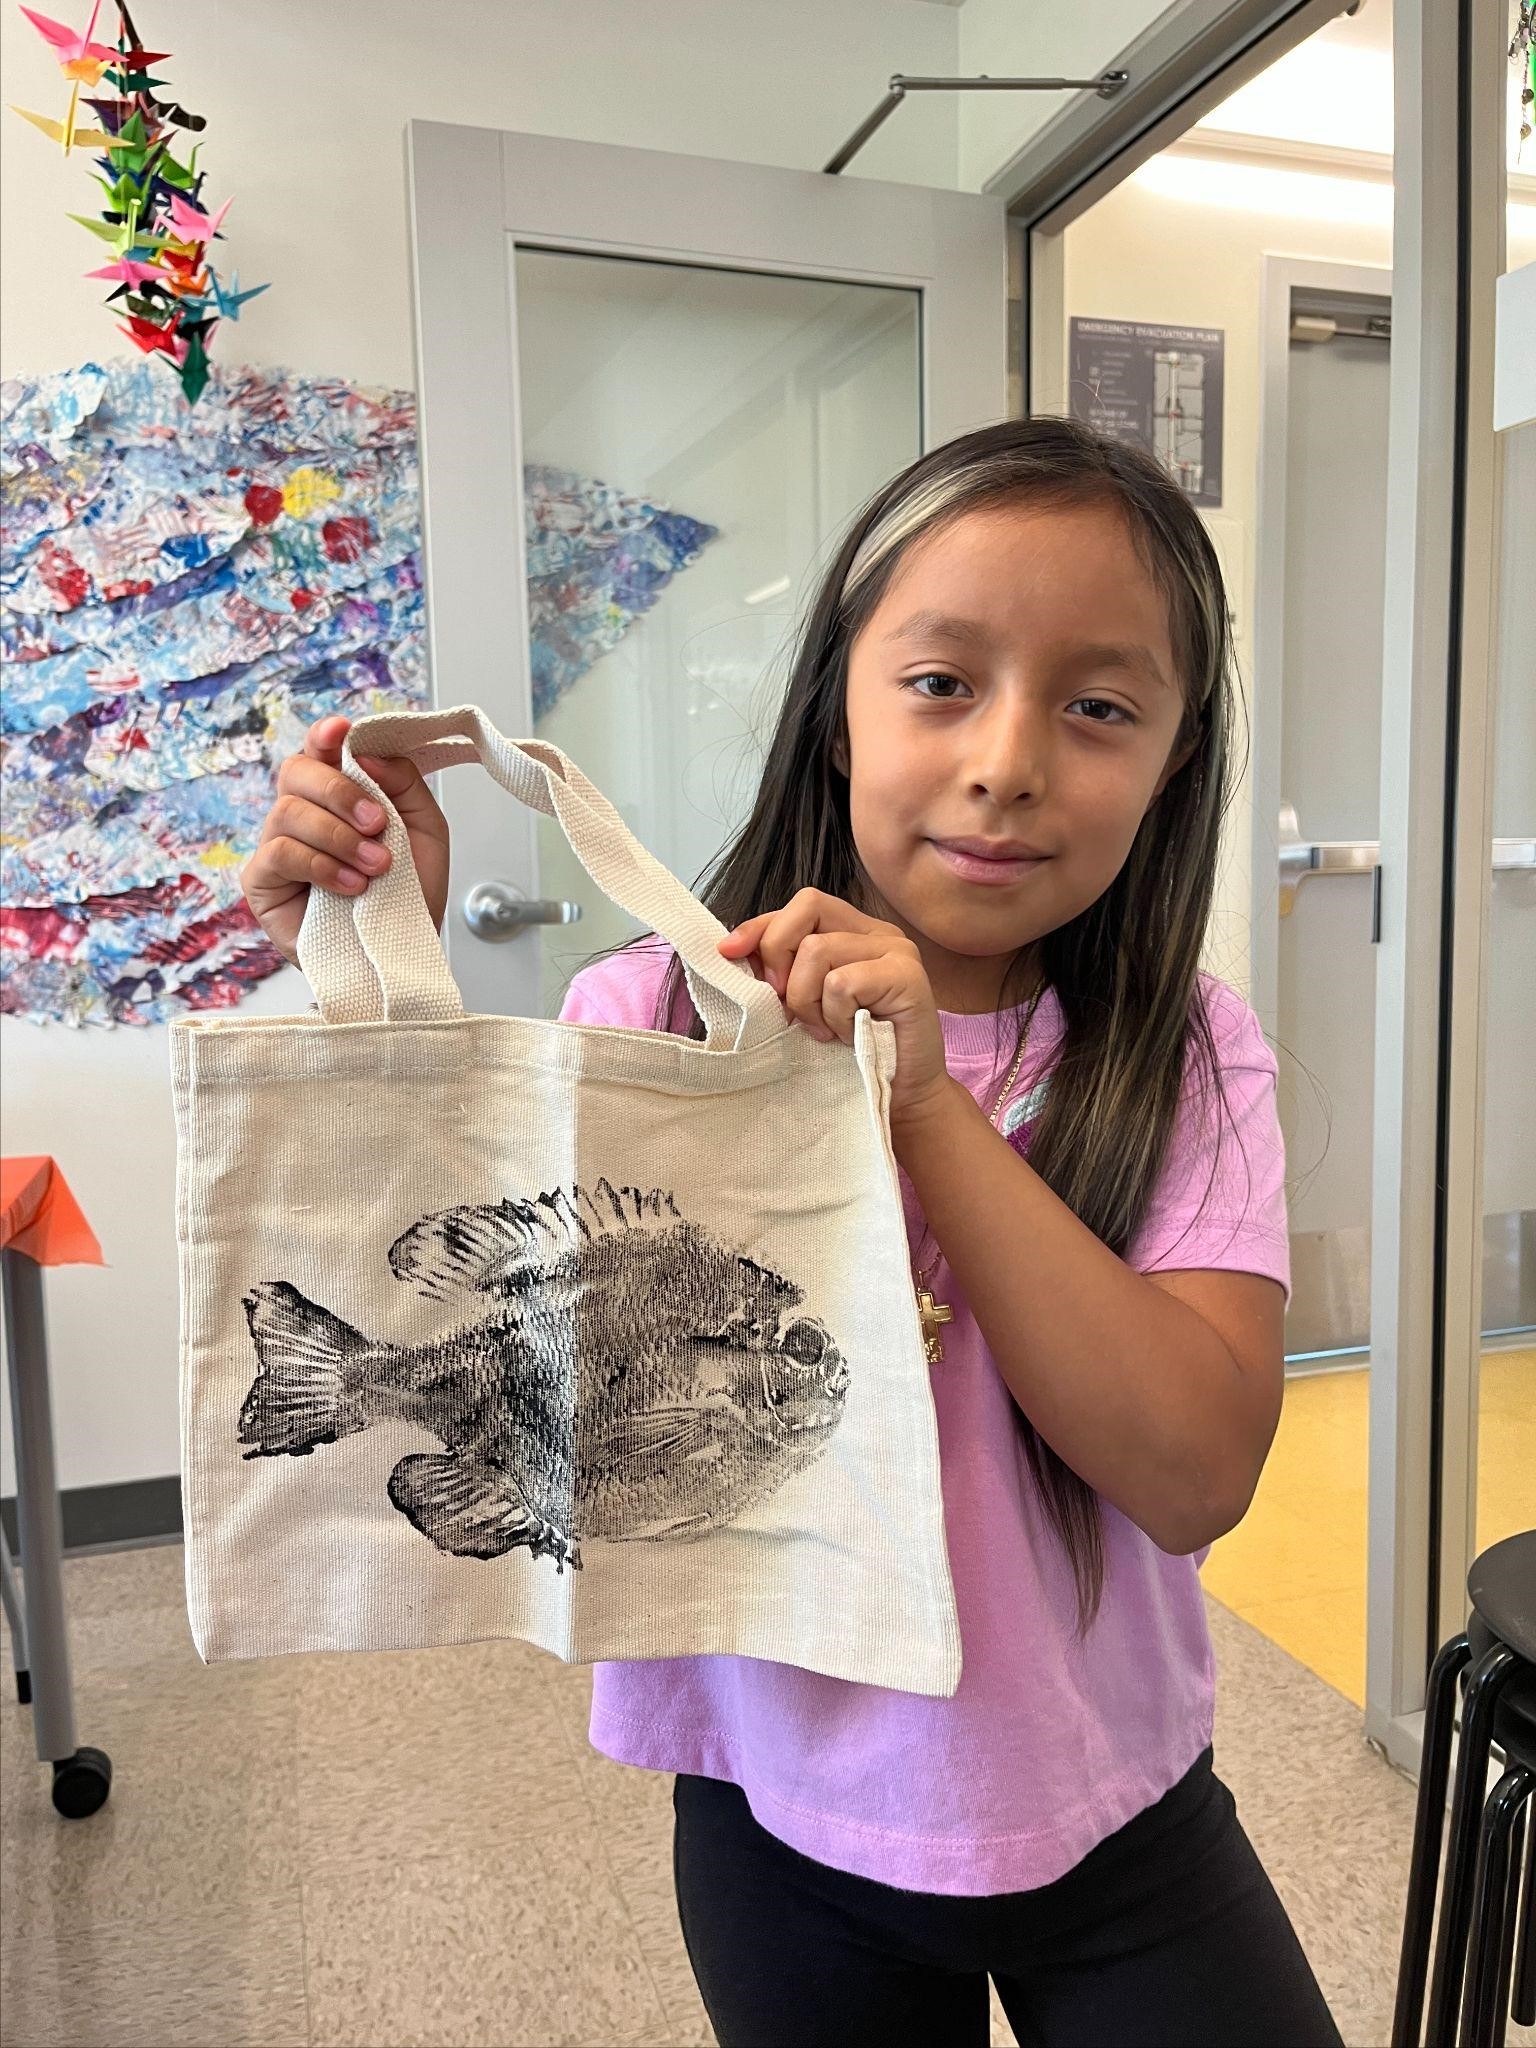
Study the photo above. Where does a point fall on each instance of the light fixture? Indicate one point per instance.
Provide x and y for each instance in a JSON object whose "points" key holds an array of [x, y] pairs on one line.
{"points": [[1268, 188]]}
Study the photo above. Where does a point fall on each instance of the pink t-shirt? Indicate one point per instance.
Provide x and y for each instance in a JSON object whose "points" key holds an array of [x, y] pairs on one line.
{"points": [[1050, 1743]]}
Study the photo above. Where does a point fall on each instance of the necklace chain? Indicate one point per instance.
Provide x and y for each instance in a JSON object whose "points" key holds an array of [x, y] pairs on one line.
{"points": [[1013, 1072]]}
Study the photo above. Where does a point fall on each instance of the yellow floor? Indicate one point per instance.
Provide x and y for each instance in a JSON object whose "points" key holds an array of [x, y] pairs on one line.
{"points": [[1295, 1566]]}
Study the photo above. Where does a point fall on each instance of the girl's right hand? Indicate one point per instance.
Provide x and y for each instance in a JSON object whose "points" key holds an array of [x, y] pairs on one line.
{"points": [[323, 831]]}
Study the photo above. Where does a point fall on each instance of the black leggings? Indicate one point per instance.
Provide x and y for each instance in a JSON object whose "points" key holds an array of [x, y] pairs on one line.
{"points": [[1167, 1933]]}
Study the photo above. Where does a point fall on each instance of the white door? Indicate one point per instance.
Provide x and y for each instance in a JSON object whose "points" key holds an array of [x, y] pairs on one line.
{"points": [[1324, 876], [653, 389]]}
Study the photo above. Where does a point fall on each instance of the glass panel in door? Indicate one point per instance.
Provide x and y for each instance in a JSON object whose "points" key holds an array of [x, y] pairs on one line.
{"points": [[1501, 1489], [1506, 1430], [694, 441]]}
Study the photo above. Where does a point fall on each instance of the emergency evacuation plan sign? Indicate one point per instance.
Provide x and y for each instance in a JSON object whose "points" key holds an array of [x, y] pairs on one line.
{"points": [[1159, 387]]}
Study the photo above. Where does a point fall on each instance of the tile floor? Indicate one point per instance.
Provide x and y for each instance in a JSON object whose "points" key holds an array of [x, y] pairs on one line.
{"points": [[1295, 1564], [421, 1849]]}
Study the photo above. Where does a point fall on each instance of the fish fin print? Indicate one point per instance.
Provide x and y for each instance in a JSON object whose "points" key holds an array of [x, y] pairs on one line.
{"points": [[568, 1217], [469, 1508], [472, 1249], [611, 1208], [482, 1246], [787, 1293], [650, 1434], [311, 1386]]}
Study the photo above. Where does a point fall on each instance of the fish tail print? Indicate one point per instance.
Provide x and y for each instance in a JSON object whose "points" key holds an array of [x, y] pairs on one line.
{"points": [[313, 1383]]}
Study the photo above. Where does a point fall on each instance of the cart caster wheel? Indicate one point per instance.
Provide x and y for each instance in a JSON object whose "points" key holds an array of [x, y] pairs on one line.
{"points": [[81, 1783]]}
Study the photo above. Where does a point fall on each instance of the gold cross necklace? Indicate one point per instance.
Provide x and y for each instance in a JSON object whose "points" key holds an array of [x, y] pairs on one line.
{"points": [[935, 1314]]}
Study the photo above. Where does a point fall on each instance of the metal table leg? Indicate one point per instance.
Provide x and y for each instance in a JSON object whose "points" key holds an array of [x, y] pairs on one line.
{"points": [[10, 1599], [81, 1777]]}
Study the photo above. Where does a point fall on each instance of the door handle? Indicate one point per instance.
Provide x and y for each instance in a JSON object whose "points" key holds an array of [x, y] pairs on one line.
{"points": [[1302, 857], [496, 911]]}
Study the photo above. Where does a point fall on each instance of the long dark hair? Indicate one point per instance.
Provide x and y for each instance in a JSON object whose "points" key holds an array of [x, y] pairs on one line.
{"points": [[1124, 970]]}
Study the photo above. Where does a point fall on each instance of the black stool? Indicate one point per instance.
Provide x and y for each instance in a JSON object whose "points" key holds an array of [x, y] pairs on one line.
{"points": [[1486, 1936]]}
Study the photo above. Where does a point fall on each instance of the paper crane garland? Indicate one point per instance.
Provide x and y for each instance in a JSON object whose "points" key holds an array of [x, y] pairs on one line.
{"points": [[154, 221], [1522, 54]]}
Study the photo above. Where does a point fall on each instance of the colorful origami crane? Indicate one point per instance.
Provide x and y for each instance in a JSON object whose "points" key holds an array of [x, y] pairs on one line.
{"points": [[153, 220], [126, 270], [190, 224], [79, 58], [64, 132]]}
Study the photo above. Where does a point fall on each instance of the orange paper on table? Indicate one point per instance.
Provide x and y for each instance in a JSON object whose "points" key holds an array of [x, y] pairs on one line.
{"points": [[39, 1215]]}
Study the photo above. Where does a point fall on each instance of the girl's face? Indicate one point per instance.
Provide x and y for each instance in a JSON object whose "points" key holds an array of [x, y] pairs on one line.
{"points": [[1016, 683]]}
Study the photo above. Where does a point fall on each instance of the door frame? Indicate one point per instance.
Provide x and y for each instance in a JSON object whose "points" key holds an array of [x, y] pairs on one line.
{"points": [[473, 191], [1436, 826]]}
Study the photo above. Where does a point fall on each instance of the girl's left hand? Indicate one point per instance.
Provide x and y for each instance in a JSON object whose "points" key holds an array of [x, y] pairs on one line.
{"points": [[825, 960]]}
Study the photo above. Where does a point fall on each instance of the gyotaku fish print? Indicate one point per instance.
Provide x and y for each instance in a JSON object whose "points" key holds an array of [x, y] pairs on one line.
{"points": [[611, 1370]]}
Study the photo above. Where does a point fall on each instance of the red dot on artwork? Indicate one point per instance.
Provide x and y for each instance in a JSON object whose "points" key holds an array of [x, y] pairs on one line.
{"points": [[263, 503], [63, 575], [302, 600], [347, 539]]}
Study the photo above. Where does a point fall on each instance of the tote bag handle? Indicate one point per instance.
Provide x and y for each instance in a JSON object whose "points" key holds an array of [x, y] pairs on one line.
{"points": [[377, 956]]}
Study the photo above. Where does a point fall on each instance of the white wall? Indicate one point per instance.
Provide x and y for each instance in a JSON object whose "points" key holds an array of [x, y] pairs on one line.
{"points": [[305, 106]]}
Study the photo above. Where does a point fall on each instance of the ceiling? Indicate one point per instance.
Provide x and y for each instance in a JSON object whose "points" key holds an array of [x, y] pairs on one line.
{"points": [[1333, 91]]}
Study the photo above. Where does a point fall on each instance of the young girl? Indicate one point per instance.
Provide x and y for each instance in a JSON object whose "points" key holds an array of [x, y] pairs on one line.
{"points": [[990, 814]]}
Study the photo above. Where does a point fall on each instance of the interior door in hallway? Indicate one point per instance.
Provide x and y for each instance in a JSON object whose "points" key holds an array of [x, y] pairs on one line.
{"points": [[1329, 777]]}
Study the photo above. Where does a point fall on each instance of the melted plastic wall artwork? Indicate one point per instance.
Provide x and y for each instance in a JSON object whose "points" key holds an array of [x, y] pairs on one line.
{"points": [[185, 592]]}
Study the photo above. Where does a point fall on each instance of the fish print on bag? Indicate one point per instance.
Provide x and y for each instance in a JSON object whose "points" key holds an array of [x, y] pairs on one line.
{"points": [[614, 1372]]}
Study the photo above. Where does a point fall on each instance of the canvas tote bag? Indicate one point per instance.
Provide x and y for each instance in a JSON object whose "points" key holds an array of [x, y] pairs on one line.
{"points": [[504, 1327]]}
